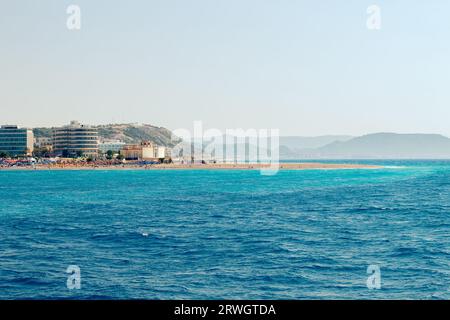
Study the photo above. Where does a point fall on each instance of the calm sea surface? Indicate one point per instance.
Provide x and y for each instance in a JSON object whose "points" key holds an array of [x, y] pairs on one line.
{"points": [[198, 234]]}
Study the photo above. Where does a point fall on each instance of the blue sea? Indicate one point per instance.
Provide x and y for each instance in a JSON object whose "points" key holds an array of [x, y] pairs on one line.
{"points": [[227, 234]]}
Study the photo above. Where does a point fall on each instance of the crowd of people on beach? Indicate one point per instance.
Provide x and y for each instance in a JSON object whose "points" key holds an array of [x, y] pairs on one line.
{"points": [[64, 163], [7, 163]]}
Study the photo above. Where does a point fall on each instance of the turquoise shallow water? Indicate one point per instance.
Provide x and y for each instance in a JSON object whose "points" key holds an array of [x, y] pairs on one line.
{"points": [[227, 234]]}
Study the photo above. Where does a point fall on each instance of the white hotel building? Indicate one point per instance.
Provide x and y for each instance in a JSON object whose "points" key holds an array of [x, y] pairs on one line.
{"points": [[75, 140]]}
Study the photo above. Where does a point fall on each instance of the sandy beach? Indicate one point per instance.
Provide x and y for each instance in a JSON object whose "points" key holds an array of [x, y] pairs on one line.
{"points": [[281, 166]]}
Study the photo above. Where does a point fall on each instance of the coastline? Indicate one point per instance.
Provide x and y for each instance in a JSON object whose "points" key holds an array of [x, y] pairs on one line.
{"points": [[281, 166]]}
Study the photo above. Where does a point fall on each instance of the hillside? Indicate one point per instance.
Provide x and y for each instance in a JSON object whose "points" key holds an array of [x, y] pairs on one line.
{"points": [[378, 145], [297, 143], [129, 133], [390, 145]]}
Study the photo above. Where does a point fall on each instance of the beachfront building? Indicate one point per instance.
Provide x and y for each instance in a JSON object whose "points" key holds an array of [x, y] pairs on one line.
{"points": [[15, 141], [160, 152], [75, 140], [114, 146], [143, 151], [43, 146], [43, 142]]}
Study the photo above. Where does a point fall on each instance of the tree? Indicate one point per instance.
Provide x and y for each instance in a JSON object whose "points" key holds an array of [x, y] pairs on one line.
{"points": [[4, 154], [120, 157], [109, 154], [40, 152]]}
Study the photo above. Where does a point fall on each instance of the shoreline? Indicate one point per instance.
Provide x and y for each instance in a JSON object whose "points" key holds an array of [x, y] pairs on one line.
{"points": [[281, 166]]}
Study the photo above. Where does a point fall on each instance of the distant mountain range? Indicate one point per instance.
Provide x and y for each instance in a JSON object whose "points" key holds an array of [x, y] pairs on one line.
{"points": [[299, 143], [371, 146], [128, 133]]}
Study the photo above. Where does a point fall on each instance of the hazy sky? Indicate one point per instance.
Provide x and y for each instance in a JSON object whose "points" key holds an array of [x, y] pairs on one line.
{"points": [[306, 67]]}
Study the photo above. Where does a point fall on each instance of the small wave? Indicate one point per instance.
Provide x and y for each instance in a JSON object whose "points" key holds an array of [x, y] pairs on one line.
{"points": [[395, 167], [29, 281], [405, 252]]}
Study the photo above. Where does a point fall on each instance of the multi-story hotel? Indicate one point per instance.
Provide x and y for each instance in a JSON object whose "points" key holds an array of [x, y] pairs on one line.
{"points": [[75, 140], [16, 141]]}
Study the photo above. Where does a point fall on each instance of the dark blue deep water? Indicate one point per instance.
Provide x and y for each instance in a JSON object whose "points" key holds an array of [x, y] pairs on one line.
{"points": [[227, 234]]}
